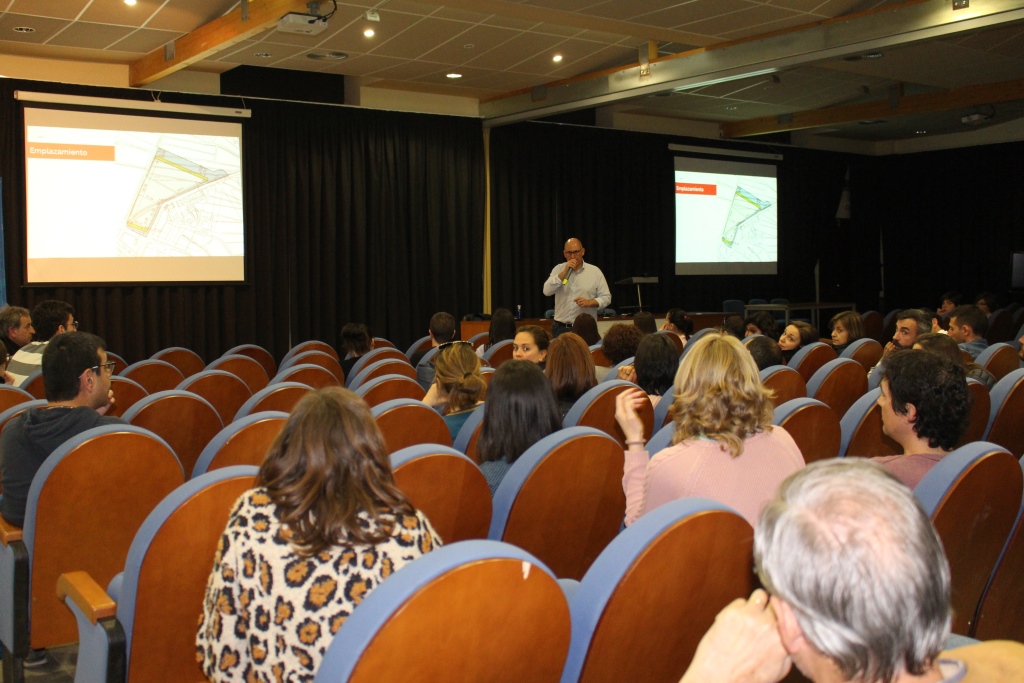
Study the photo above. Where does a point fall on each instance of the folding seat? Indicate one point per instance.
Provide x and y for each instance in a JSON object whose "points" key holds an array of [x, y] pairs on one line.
{"points": [[12, 396], [154, 375], [390, 387], [84, 506], [865, 351], [999, 359], [387, 366], [244, 368], [225, 391], [645, 603], [499, 353], [447, 487], [406, 422], [813, 425], [981, 407], [33, 385], [613, 374], [809, 359], [126, 394], [186, 421], [562, 499], [421, 344], [154, 604], [372, 357], [186, 360], [838, 384], [312, 375], [257, 353], [461, 591], [596, 408], [324, 360], [281, 396], [1007, 413], [311, 345], [999, 615], [973, 496], [466, 440], [242, 442], [861, 429], [786, 382]]}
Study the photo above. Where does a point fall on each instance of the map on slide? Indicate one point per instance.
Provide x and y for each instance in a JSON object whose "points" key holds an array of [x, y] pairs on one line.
{"points": [[749, 230], [189, 200]]}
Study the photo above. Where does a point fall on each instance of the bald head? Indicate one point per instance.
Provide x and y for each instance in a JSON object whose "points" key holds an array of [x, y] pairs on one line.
{"points": [[573, 252]]}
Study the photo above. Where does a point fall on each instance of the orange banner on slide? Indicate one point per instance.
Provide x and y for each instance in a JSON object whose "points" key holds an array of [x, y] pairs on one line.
{"points": [[696, 188], [47, 150]]}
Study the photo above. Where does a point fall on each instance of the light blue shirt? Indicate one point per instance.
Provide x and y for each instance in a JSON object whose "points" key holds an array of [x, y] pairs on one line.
{"points": [[588, 282]]}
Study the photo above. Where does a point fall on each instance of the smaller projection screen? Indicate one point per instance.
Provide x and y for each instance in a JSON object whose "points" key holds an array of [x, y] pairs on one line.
{"points": [[115, 198], [726, 219]]}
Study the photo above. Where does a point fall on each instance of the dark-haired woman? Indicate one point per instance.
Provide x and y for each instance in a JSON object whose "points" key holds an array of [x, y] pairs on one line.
{"points": [[654, 368], [324, 526], [531, 343], [520, 411], [355, 342], [570, 369], [503, 326]]}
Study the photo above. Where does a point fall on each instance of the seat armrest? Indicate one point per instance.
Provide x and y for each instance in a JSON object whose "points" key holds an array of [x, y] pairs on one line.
{"points": [[8, 532], [88, 595]]}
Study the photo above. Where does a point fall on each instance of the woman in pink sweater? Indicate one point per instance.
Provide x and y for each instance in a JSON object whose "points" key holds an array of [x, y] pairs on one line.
{"points": [[725, 447]]}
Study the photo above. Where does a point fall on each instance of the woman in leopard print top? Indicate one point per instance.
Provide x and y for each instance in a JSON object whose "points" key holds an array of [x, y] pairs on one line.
{"points": [[324, 527]]}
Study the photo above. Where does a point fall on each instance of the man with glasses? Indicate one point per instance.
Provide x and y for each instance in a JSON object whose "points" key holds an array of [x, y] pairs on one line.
{"points": [[578, 287], [76, 374], [50, 318]]}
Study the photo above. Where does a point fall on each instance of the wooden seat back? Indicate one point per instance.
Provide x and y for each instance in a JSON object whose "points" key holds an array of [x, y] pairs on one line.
{"points": [[981, 406], [12, 396], [999, 614], [406, 422], [311, 345], [388, 366], [388, 388], [1006, 414], [310, 375], [274, 397], [243, 442], [244, 368], [1000, 360], [867, 354], [225, 391], [127, 393], [258, 354], [838, 384], [786, 382], [813, 425], [861, 429], [33, 385], [154, 375], [115, 475], [809, 359], [186, 360], [499, 353], [186, 421], [447, 487], [324, 360], [596, 408]]}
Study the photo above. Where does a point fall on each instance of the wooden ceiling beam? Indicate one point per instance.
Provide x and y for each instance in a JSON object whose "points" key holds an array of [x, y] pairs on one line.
{"points": [[212, 38], [885, 108]]}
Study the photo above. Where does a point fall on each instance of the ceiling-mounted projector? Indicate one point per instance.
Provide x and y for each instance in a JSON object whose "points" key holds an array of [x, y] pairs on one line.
{"points": [[304, 24]]}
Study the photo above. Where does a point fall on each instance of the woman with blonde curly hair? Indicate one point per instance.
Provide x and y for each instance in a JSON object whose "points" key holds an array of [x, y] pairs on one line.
{"points": [[725, 447], [458, 387]]}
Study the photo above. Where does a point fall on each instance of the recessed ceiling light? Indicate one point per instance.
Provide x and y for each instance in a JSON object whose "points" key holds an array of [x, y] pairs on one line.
{"points": [[468, 46], [23, 29], [556, 58], [129, 2], [733, 108], [263, 55], [332, 56], [454, 75], [920, 132], [369, 33], [874, 55]]}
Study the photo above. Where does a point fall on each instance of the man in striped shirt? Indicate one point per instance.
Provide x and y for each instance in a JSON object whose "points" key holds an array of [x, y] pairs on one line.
{"points": [[50, 318]]}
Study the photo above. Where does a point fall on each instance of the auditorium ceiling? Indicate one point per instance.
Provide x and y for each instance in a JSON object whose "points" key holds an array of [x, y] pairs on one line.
{"points": [[856, 69]]}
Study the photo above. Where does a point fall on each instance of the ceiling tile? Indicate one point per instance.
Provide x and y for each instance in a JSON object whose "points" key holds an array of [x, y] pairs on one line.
{"points": [[420, 9], [119, 13], [410, 70], [688, 14], [556, 30], [422, 37], [276, 52], [351, 38], [481, 37], [750, 21], [603, 58], [44, 28], [145, 40], [636, 9], [504, 81], [564, 5], [459, 14], [188, 15], [95, 36], [606, 38], [517, 49], [510, 22], [767, 26], [363, 65], [808, 6], [57, 9]]}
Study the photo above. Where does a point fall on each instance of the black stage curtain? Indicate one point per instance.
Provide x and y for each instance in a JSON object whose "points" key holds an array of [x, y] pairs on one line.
{"points": [[614, 190], [351, 215]]}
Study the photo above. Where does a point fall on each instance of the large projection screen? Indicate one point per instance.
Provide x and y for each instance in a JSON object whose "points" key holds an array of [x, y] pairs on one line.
{"points": [[726, 219], [114, 198]]}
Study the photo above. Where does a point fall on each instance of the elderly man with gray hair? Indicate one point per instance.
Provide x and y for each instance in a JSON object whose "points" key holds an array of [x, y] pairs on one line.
{"points": [[856, 589]]}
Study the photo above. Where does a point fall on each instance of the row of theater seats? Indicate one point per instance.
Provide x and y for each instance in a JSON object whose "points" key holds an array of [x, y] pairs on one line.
{"points": [[643, 598]]}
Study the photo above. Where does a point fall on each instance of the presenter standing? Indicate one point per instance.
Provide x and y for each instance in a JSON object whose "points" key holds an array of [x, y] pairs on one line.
{"points": [[578, 287]]}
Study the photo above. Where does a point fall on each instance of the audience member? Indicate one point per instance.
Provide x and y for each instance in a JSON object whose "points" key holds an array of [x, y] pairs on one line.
{"points": [[458, 387], [796, 336], [950, 300], [323, 527], [765, 352], [925, 406], [76, 377], [585, 327], [620, 342], [856, 590], [724, 448], [761, 322], [967, 327], [17, 327], [570, 369], [644, 321], [654, 368], [847, 327], [49, 318], [677, 321], [944, 346], [520, 411], [442, 329], [356, 341], [910, 324], [531, 343], [735, 326], [503, 326], [987, 302]]}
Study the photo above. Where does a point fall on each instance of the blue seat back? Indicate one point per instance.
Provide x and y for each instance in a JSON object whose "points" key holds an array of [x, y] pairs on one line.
{"points": [[226, 434]]}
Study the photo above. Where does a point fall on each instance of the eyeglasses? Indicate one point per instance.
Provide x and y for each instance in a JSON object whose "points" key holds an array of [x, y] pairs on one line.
{"points": [[573, 253], [109, 365]]}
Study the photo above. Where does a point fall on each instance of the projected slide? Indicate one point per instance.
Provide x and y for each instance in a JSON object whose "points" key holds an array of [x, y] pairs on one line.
{"points": [[115, 198], [726, 220]]}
